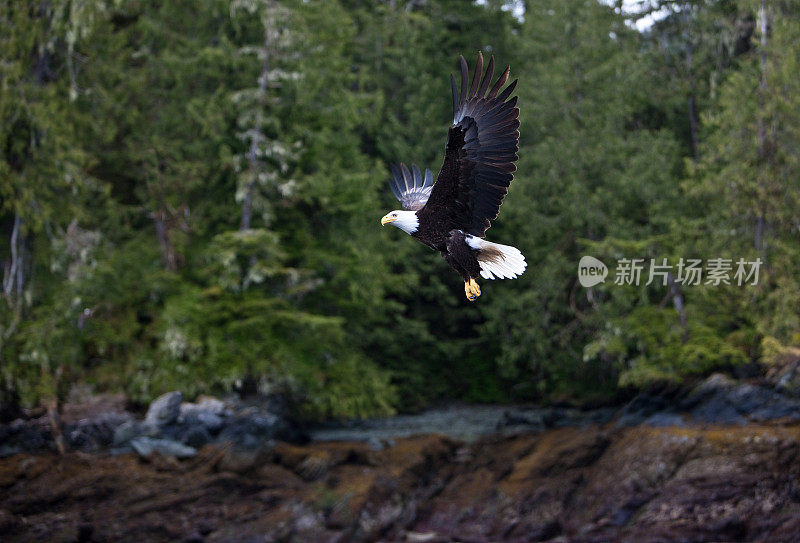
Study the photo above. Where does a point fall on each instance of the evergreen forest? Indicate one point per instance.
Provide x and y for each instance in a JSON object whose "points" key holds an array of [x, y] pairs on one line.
{"points": [[191, 194]]}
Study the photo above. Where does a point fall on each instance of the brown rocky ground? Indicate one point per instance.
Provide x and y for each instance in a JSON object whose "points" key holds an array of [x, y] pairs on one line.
{"points": [[736, 483]]}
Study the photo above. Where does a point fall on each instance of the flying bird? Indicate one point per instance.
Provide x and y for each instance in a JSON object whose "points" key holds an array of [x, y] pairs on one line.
{"points": [[453, 214]]}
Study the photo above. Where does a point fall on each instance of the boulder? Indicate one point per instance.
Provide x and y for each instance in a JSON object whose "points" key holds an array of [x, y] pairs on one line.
{"points": [[94, 433], [789, 382], [146, 446], [25, 435], [665, 419], [250, 430], [196, 436], [211, 422], [164, 409], [211, 404], [760, 403], [783, 371], [721, 400], [639, 409], [208, 412], [126, 431]]}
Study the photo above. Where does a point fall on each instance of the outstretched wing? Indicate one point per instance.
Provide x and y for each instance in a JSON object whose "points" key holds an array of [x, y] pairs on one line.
{"points": [[411, 187], [481, 149]]}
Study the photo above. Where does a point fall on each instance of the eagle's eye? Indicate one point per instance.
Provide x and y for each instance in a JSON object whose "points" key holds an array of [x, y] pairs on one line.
{"points": [[394, 215]]}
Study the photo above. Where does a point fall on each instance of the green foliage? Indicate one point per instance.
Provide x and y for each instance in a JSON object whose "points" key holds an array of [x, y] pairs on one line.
{"points": [[746, 183], [648, 346], [190, 201]]}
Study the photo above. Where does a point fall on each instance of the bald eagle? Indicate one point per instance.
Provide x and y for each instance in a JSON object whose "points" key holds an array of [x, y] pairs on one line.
{"points": [[452, 215]]}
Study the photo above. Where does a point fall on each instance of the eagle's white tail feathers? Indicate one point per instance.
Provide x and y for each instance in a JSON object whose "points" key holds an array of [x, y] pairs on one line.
{"points": [[497, 261]]}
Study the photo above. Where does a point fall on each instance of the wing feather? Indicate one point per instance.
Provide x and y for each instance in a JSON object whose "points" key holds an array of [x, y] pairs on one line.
{"points": [[410, 187], [481, 149], [487, 78], [464, 77], [454, 89], [473, 88], [500, 82], [407, 181]]}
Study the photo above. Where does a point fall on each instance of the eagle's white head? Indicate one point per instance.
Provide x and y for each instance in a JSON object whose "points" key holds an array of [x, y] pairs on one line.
{"points": [[407, 221]]}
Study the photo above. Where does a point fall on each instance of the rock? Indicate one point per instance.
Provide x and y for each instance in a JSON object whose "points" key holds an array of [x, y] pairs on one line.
{"points": [[253, 429], [662, 420], [783, 372], [196, 537], [711, 386], [249, 441], [583, 419], [211, 404], [96, 432], [709, 402], [760, 403], [539, 419], [196, 437], [626, 420], [532, 420], [9, 450], [209, 421], [314, 467], [789, 382], [8, 521], [241, 460], [717, 411], [146, 446], [248, 425], [207, 411], [420, 537], [574, 484], [25, 435], [164, 409], [126, 431], [721, 400], [638, 410]]}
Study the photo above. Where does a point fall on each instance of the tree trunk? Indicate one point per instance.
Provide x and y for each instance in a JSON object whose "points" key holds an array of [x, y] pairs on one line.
{"points": [[252, 154], [758, 242], [763, 26], [692, 105], [677, 302], [14, 272], [164, 241], [55, 425], [247, 207], [693, 124]]}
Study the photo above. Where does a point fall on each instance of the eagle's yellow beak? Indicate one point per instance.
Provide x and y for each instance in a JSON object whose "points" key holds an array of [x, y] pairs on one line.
{"points": [[387, 219]]}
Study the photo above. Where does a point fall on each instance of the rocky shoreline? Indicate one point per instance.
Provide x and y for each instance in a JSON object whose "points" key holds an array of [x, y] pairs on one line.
{"points": [[170, 427], [174, 427], [719, 462], [588, 485]]}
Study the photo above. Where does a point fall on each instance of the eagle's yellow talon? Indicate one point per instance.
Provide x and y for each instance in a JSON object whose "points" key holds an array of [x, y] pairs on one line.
{"points": [[472, 290]]}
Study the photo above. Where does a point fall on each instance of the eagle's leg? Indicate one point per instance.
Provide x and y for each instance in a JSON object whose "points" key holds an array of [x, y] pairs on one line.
{"points": [[462, 258], [472, 290]]}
